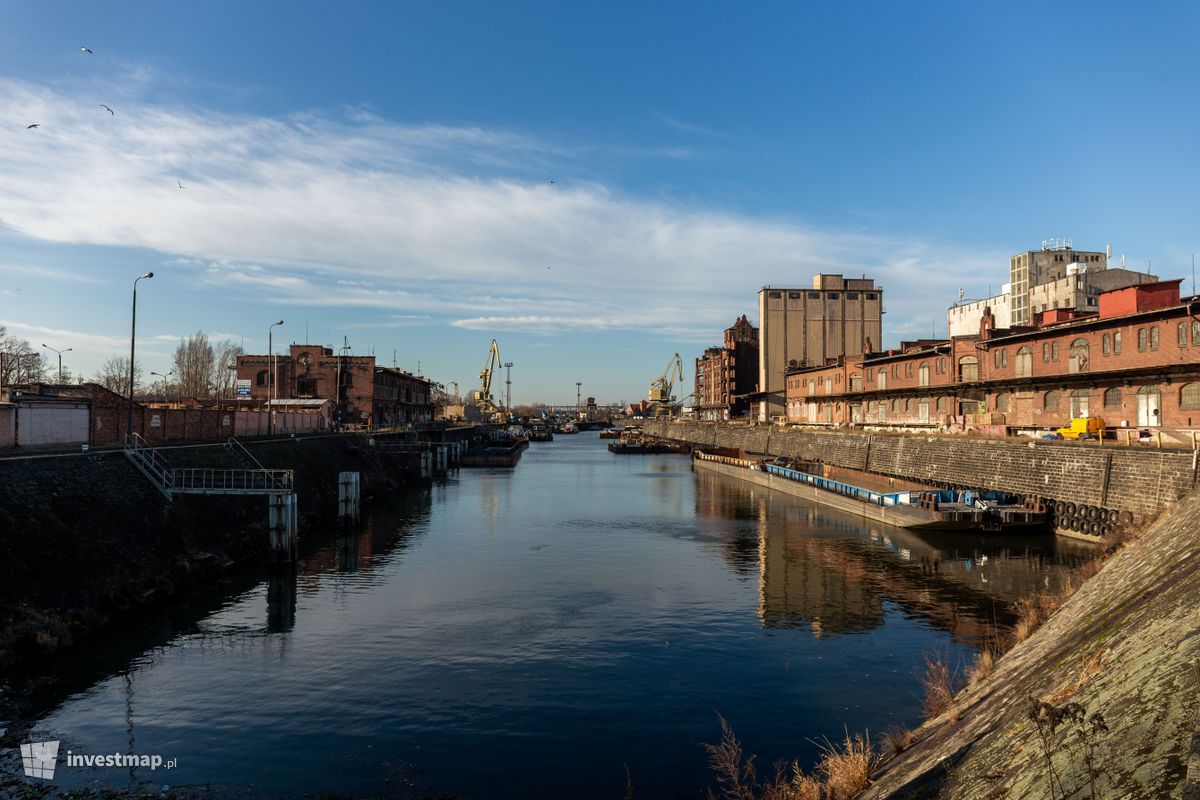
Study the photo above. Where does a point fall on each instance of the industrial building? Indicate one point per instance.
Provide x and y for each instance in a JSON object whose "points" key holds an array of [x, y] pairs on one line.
{"points": [[1135, 362], [726, 376], [808, 326]]}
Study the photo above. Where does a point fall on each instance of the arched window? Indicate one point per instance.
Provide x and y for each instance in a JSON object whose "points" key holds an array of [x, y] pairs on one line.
{"points": [[896, 371], [881, 379], [968, 369], [1002, 402], [996, 358], [1182, 331], [1112, 398], [1154, 338], [1196, 331], [1116, 343], [1189, 396], [1077, 359], [941, 405], [1142, 339], [895, 406], [923, 374], [1024, 362], [1106, 344], [261, 378], [908, 406], [1052, 400]]}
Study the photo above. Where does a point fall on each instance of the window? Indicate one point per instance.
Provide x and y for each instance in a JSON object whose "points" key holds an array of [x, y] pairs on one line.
{"points": [[1154, 338], [261, 378], [1183, 334], [923, 375], [851, 295], [968, 368], [834, 295], [941, 405], [1077, 358], [908, 370], [814, 295], [1025, 362], [871, 295], [1045, 351], [1106, 344], [881, 382], [908, 407], [1189, 397], [1004, 358], [1079, 403], [1112, 398], [1116, 343], [1196, 331], [1052, 400], [1002, 402], [895, 406], [1142, 338], [996, 359], [1054, 351], [774, 295]]}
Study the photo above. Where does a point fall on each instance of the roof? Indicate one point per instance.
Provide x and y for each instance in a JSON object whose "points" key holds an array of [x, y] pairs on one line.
{"points": [[300, 402]]}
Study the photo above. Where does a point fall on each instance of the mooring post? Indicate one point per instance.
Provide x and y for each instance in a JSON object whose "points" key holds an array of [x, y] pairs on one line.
{"points": [[282, 523], [426, 461], [349, 497]]}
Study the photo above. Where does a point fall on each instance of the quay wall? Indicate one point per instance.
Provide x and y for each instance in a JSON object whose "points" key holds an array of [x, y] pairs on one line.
{"points": [[85, 538], [1140, 481]]}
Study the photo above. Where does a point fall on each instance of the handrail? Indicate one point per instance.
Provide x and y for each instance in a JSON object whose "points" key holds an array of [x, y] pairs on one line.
{"points": [[233, 444], [257, 481]]}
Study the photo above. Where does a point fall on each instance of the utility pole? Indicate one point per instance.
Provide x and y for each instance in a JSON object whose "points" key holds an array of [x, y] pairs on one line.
{"points": [[271, 377], [508, 386], [60, 352], [578, 394], [132, 340]]}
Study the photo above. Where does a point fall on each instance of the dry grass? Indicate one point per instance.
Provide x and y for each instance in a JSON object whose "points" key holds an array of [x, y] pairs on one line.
{"points": [[981, 668], [896, 740], [843, 771], [1089, 667], [938, 682], [1034, 610]]}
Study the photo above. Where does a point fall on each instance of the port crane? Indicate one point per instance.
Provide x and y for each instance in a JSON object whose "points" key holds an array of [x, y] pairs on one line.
{"points": [[661, 388], [486, 406]]}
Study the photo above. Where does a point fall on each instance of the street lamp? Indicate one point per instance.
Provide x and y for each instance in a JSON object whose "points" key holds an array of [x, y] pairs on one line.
{"points": [[162, 389], [271, 377], [132, 340], [59, 352], [508, 386]]}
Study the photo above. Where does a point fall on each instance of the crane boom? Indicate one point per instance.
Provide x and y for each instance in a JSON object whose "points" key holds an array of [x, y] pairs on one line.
{"points": [[485, 378], [662, 387]]}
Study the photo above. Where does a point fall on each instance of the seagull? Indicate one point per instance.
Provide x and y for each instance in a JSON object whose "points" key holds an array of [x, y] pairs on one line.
{"points": [[34, 125], [87, 50], [109, 110], [552, 181], [179, 182]]}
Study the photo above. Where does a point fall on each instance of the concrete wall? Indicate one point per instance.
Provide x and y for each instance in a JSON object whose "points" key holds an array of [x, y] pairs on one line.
{"points": [[1137, 480], [8, 425], [37, 425]]}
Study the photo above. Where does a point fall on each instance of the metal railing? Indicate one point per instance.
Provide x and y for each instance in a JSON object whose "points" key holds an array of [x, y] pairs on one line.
{"points": [[149, 462], [203, 480]]}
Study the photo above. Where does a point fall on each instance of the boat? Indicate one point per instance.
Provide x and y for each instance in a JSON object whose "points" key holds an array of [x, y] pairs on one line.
{"points": [[901, 503], [610, 433], [568, 427], [540, 432], [648, 448]]}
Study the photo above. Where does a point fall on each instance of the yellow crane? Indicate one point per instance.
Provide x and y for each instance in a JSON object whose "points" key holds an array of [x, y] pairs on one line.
{"points": [[661, 388], [486, 406]]}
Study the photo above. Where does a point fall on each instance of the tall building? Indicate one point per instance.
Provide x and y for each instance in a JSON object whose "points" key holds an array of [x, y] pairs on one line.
{"points": [[1055, 277], [805, 327], [726, 375]]}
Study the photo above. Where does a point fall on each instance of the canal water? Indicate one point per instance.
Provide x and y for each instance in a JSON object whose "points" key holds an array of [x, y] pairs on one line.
{"points": [[548, 631]]}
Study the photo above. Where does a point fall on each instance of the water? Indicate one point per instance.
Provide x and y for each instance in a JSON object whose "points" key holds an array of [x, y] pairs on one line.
{"points": [[535, 632]]}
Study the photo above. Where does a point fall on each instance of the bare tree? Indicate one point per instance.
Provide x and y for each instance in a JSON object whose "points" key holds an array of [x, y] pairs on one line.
{"points": [[114, 375], [194, 359], [19, 362], [225, 378]]}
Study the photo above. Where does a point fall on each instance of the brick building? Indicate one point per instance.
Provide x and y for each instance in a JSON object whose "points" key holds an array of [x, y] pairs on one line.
{"points": [[725, 375], [807, 326], [361, 391], [1135, 362]]}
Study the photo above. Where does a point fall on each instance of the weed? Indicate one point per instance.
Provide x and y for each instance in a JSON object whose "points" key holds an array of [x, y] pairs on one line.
{"points": [[1081, 749], [896, 740], [938, 682], [981, 667]]}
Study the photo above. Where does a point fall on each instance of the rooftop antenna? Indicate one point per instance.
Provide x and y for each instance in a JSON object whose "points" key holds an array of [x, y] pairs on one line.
{"points": [[393, 358]]}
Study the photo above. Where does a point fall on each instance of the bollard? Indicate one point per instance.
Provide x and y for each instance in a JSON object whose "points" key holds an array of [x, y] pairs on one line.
{"points": [[282, 525], [349, 497], [426, 461]]}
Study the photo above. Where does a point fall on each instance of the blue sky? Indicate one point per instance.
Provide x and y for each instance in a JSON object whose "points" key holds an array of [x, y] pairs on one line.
{"points": [[382, 172]]}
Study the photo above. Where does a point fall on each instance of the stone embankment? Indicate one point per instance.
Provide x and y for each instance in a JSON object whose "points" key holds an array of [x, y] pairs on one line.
{"points": [[1116, 666], [1112, 478], [85, 538]]}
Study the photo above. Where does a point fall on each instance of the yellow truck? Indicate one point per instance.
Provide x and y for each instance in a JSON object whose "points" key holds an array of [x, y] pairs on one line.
{"points": [[1083, 428]]}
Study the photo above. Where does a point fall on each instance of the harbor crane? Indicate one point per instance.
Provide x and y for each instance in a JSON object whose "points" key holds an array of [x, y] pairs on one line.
{"points": [[486, 406], [661, 388]]}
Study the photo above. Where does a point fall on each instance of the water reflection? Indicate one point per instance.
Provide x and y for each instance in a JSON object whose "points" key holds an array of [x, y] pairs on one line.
{"points": [[831, 572]]}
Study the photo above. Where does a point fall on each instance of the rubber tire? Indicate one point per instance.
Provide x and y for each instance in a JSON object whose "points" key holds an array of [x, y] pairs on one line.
{"points": [[1060, 508], [1126, 518], [1071, 510], [1093, 513]]}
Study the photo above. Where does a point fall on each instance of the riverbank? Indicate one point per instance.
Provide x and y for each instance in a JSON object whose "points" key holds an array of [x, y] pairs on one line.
{"points": [[1101, 701], [89, 539]]}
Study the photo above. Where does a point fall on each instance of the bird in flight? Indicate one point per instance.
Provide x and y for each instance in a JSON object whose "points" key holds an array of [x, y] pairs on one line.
{"points": [[109, 110], [179, 182], [87, 50], [34, 125]]}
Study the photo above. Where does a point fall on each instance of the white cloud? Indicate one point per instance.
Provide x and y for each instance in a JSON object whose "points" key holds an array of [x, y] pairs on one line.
{"points": [[456, 222]]}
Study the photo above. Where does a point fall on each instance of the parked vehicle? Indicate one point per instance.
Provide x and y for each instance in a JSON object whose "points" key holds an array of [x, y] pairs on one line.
{"points": [[1083, 428]]}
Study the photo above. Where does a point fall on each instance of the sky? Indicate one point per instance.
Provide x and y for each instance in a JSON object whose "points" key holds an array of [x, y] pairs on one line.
{"points": [[596, 186]]}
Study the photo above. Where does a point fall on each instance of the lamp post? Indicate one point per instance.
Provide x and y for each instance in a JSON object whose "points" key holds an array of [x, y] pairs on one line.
{"points": [[508, 386], [59, 353], [162, 388], [132, 341], [271, 377]]}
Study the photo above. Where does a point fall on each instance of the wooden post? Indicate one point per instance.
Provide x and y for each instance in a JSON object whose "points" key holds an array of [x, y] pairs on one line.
{"points": [[282, 523], [349, 497], [1158, 439], [1193, 440]]}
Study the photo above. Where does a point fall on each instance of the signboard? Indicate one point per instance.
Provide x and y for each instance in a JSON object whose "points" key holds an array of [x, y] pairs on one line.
{"points": [[243, 388]]}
